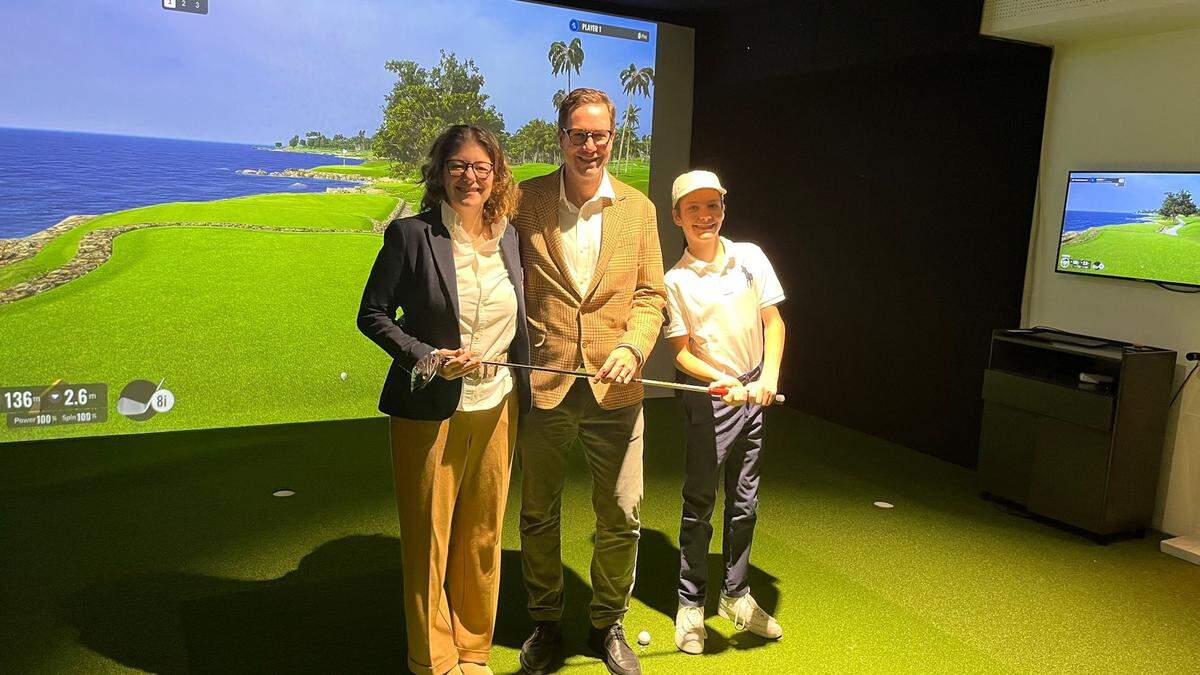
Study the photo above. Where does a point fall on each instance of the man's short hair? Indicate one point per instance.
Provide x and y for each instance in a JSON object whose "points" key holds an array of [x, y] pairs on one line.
{"points": [[581, 97]]}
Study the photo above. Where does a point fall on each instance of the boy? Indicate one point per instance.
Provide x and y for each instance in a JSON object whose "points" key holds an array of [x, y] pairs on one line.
{"points": [[724, 329]]}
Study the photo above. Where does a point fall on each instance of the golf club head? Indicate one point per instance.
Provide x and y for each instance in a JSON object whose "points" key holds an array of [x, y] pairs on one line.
{"points": [[424, 370], [130, 408]]}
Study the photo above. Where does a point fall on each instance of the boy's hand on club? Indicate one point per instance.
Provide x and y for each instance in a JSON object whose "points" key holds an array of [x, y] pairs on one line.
{"points": [[735, 393], [620, 367], [762, 392], [457, 362]]}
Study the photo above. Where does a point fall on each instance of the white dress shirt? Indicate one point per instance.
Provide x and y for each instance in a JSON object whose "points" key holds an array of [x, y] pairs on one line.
{"points": [[487, 309], [581, 228]]}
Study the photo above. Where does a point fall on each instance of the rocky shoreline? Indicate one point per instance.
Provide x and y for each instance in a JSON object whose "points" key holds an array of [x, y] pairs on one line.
{"points": [[16, 250], [96, 246], [309, 173]]}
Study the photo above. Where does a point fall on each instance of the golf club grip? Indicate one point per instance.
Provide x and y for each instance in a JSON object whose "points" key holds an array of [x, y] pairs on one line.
{"points": [[721, 391]]}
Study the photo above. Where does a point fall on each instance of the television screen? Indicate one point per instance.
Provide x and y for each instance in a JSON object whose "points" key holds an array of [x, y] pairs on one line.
{"points": [[193, 191], [1132, 225]]}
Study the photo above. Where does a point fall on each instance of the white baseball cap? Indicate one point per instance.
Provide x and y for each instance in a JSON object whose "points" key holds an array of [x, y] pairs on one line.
{"points": [[692, 181]]}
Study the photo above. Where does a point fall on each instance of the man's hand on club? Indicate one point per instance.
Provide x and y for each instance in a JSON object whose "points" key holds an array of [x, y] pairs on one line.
{"points": [[457, 362], [621, 367]]}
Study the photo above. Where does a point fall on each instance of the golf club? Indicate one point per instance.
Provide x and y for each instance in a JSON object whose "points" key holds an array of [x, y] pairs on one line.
{"points": [[427, 368]]}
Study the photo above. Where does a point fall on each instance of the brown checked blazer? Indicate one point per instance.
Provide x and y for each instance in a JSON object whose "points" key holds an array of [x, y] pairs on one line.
{"points": [[623, 305]]}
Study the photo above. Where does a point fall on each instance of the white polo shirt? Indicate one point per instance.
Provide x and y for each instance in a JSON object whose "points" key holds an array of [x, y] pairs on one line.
{"points": [[719, 305]]}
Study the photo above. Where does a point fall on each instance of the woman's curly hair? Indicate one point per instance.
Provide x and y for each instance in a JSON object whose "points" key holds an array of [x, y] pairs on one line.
{"points": [[505, 195]]}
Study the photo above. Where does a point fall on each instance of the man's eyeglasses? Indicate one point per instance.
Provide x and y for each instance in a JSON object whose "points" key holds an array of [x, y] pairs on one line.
{"points": [[580, 136], [457, 168]]}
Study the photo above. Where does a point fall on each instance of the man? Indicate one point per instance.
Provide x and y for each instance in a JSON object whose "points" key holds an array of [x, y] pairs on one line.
{"points": [[594, 295]]}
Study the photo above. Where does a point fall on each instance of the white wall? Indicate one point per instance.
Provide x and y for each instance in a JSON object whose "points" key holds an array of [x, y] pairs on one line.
{"points": [[1130, 103]]}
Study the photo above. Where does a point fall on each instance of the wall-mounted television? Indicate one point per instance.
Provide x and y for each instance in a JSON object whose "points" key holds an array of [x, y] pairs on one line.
{"points": [[192, 192], [1140, 225]]}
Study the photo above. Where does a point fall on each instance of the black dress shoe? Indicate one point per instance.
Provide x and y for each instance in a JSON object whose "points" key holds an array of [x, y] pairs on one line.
{"points": [[610, 645], [538, 651]]}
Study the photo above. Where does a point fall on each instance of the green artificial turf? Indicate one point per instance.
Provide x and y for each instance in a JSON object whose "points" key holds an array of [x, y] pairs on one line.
{"points": [[243, 326], [168, 553], [316, 211]]}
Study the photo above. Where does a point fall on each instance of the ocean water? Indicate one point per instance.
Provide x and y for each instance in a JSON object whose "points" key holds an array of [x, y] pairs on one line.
{"points": [[46, 176], [1075, 221]]}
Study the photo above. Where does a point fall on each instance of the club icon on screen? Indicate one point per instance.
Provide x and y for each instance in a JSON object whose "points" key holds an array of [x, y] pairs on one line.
{"points": [[142, 399]]}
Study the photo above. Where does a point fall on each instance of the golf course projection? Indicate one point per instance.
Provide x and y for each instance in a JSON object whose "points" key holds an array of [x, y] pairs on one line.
{"points": [[190, 202], [1132, 225]]}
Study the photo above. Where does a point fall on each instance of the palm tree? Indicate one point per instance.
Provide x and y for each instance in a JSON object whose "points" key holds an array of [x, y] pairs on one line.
{"points": [[629, 122], [565, 57], [635, 81], [558, 98]]}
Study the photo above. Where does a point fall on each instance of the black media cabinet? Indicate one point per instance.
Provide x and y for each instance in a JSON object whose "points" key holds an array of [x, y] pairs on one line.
{"points": [[1083, 454]]}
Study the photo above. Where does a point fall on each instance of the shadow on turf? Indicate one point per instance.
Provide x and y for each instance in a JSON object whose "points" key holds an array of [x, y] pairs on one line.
{"points": [[658, 583], [338, 611]]}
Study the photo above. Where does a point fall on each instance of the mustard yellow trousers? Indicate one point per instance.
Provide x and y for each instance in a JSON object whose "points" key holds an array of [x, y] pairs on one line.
{"points": [[451, 480]]}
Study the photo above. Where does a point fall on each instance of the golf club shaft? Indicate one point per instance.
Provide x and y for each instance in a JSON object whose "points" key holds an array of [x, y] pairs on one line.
{"points": [[713, 391]]}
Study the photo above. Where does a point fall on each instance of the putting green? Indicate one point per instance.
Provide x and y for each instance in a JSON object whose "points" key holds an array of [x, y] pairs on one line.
{"points": [[246, 327], [319, 211], [375, 168]]}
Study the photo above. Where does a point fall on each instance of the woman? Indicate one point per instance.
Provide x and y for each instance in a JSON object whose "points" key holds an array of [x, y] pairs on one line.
{"points": [[454, 273]]}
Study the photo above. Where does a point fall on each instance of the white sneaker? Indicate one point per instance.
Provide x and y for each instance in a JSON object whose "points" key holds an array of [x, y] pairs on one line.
{"points": [[745, 614], [689, 629]]}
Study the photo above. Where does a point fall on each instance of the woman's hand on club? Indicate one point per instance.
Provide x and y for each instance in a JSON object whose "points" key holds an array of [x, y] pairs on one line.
{"points": [[457, 363]]}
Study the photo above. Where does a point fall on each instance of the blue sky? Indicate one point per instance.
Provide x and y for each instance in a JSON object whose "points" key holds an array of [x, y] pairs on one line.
{"points": [[1142, 191], [257, 71]]}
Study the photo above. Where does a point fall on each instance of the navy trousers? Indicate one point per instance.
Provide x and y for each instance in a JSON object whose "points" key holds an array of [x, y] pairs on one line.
{"points": [[724, 443]]}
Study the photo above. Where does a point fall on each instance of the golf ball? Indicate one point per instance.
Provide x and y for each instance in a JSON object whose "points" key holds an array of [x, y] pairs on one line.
{"points": [[344, 375], [644, 637]]}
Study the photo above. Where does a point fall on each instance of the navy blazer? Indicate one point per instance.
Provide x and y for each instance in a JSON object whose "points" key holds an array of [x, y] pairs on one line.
{"points": [[415, 272]]}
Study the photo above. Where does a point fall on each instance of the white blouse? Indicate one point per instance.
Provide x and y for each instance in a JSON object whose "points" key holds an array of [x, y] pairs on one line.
{"points": [[487, 310]]}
